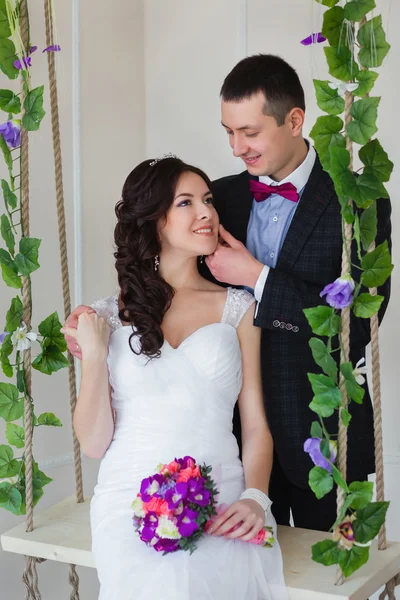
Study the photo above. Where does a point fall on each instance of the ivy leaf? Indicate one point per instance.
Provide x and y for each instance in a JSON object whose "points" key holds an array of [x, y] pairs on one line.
{"points": [[368, 226], [9, 102], [338, 479], [320, 481], [377, 266], [333, 27], [50, 330], [328, 2], [328, 99], [316, 431], [363, 126], [6, 349], [366, 81], [15, 435], [339, 171], [49, 419], [27, 259], [14, 315], [341, 63], [6, 152], [323, 358], [33, 109], [10, 498], [361, 493], [327, 396], [5, 30], [322, 320], [355, 10], [376, 160], [10, 198], [366, 305], [372, 40], [9, 270], [345, 416], [9, 467], [325, 553], [50, 360], [351, 560], [11, 408], [7, 58], [369, 520], [354, 391], [7, 233], [326, 135], [364, 190]]}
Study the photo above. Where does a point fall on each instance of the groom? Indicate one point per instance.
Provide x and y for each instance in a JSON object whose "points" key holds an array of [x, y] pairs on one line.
{"points": [[285, 243]]}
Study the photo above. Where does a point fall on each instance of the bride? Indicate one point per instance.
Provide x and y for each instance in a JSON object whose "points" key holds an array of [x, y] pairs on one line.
{"points": [[163, 364]]}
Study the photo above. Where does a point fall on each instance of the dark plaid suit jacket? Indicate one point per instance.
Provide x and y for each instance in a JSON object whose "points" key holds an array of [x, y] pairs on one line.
{"points": [[309, 259]]}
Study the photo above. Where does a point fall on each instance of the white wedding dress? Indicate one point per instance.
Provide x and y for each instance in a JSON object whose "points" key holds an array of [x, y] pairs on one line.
{"points": [[176, 405]]}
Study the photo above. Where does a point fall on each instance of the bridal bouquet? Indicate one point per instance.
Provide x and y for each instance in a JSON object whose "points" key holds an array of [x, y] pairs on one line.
{"points": [[176, 506]]}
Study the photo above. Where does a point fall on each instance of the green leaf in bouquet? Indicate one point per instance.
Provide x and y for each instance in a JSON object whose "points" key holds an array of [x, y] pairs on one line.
{"points": [[11, 408], [325, 553], [9, 466], [356, 10], [351, 560], [10, 199], [341, 63], [328, 99], [7, 233], [367, 305], [366, 81], [50, 360], [361, 493], [369, 520], [323, 357], [49, 419], [33, 109], [322, 320], [15, 435], [372, 40], [353, 390], [363, 126], [377, 266], [9, 101], [14, 315], [333, 26], [320, 481], [376, 160], [27, 258]]}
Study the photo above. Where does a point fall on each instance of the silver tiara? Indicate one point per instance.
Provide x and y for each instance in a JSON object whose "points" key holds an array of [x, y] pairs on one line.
{"points": [[156, 160]]}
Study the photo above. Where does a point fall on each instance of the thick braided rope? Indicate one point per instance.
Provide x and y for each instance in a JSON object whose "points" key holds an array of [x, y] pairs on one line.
{"points": [[345, 326], [389, 591], [30, 578], [55, 123], [74, 581]]}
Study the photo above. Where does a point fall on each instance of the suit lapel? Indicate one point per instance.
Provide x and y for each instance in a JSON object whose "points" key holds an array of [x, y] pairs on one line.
{"points": [[317, 195], [238, 207]]}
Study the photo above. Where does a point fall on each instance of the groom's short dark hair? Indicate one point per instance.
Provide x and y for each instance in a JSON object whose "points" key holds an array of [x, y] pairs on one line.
{"points": [[272, 76]]}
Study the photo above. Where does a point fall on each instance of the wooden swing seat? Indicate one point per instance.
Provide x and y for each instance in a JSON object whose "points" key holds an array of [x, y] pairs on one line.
{"points": [[62, 534]]}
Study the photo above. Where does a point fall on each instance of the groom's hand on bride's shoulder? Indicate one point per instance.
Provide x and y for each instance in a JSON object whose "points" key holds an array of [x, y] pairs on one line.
{"points": [[232, 262], [72, 321]]}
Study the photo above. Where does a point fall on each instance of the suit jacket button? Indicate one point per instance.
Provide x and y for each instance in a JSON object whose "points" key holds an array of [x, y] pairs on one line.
{"points": [[276, 323], [289, 326], [282, 325], [295, 329]]}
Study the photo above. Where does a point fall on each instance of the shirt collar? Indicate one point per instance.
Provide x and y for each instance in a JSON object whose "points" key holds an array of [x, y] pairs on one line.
{"points": [[300, 176]]}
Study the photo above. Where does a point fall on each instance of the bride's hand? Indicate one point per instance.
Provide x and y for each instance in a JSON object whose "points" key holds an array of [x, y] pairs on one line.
{"points": [[242, 520], [92, 335]]}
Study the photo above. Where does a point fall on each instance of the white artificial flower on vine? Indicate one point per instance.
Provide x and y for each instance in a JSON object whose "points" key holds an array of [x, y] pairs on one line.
{"points": [[360, 371], [22, 339], [343, 87]]}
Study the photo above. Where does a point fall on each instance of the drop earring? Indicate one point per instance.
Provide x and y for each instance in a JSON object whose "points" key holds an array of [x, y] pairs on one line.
{"points": [[201, 259], [156, 263]]}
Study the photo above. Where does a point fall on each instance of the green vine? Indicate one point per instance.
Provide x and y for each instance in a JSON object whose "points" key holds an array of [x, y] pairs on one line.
{"points": [[356, 45], [20, 259]]}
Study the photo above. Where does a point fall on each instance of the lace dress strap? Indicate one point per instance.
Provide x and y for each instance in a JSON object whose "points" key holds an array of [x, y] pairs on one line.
{"points": [[107, 308], [237, 304]]}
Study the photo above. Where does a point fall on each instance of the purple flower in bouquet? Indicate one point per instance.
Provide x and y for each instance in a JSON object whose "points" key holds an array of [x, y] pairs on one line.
{"points": [[187, 522], [313, 447], [174, 496], [11, 132], [150, 486], [339, 294], [185, 462], [200, 496], [165, 545]]}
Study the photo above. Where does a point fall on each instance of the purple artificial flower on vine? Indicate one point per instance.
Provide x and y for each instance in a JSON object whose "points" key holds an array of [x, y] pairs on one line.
{"points": [[55, 48], [339, 294], [3, 337], [26, 60], [313, 447], [11, 132]]}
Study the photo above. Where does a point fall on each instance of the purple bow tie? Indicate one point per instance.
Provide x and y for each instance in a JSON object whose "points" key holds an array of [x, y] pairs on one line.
{"points": [[261, 191]]}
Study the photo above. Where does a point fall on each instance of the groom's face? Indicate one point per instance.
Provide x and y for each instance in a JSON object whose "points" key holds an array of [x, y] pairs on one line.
{"points": [[256, 138]]}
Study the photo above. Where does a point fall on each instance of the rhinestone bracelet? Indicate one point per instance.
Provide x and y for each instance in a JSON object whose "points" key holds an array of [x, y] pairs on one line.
{"points": [[258, 496]]}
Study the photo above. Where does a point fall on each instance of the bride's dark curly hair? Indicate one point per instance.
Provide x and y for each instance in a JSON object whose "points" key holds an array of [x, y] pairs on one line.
{"points": [[147, 195]]}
